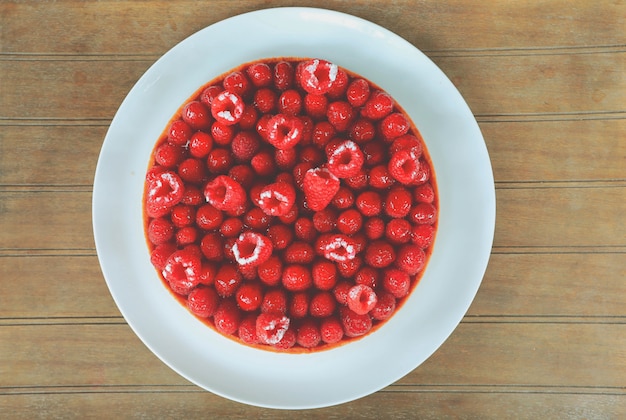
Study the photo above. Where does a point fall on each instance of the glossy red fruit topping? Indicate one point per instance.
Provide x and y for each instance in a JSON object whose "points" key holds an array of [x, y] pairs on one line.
{"points": [[203, 301], [424, 194], [249, 296], [284, 131], [179, 133], [192, 170], [260, 74], [245, 145], [308, 335], [411, 258], [345, 160], [337, 247], [274, 301], [394, 125], [422, 235], [361, 299], [247, 329], [397, 282], [197, 115], [423, 213], [322, 305], [398, 231], [182, 271], [284, 74], [227, 317], [404, 166], [324, 274], [398, 202], [296, 278], [277, 199], [227, 280], [331, 330], [227, 108], [299, 253], [358, 92], [384, 308], [252, 249], [369, 203], [379, 254], [317, 76], [349, 221], [237, 82], [270, 272], [200, 144], [224, 193], [341, 115], [163, 191], [271, 327], [320, 186], [160, 254], [378, 106], [160, 230], [355, 325], [290, 102]]}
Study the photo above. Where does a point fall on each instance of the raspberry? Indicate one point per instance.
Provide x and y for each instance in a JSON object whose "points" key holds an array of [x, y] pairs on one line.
{"points": [[227, 280], [322, 305], [423, 175], [319, 186], [411, 258], [375, 153], [374, 228], [359, 181], [317, 76], [249, 296], [283, 75], [182, 271], [288, 340], [345, 160], [222, 134], [340, 85], [407, 141], [224, 193], [245, 145], [394, 125], [200, 144], [270, 272], [208, 94], [422, 235], [312, 155], [367, 276], [274, 301], [169, 155], [384, 308], [212, 247], [336, 247], [252, 249], [280, 235], [247, 329], [203, 301], [299, 253], [308, 335], [343, 199], [316, 105], [257, 219], [284, 131], [398, 202], [396, 282], [358, 92], [270, 327], [286, 158], [354, 325], [296, 278], [192, 196], [197, 115], [219, 160], [378, 106], [424, 194], [187, 235], [349, 267], [179, 133], [263, 163], [260, 74], [227, 317], [325, 220], [277, 199], [160, 254], [379, 254], [163, 190], [208, 272], [160, 230], [192, 170], [369, 203], [361, 299], [362, 131], [423, 213], [231, 227], [249, 118], [331, 330], [323, 132], [208, 217], [299, 305], [324, 274], [290, 217], [349, 221], [265, 100], [290, 102], [398, 231], [227, 108], [380, 177], [237, 83], [304, 229], [340, 114], [341, 290], [404, 166]]}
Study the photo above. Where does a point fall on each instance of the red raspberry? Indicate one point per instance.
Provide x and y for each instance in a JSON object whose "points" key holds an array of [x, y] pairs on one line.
{"points": [[324, 274], [237, 82], [209, 271], [379, 254], [404, 166], [394, 125], [340, 114], [222, 134], [316, 105], [422, 235], [260, 74], [192, 196], [208, 94], [160, 230], [323, 133], [299, 171], [288, 340], [286, 158], [203, 301], [299, 253], [331, 330], [163, 191], [249, 296], [322, 305], [369, 203], [227, 108], [252, 249], [367, 276], [200, 144], [224, 193], [304, 229], [243, 174], [245, 145], [375, 153], [423, 213], [219, 161], [358, 92], [362, 131], [290, 102], [160, 254], [398, 202], [284, 131], [227, 317], [179, 133], [423, 174], [247, 329], [263, 163], [280, 235], [208, 217], [424, 194], [192, 170], [312, 154], [187, 235], [380, 177], [265, 100], [227, 280], [407, 141], [270, 327], [277, 199], [396, 282], [325, 220], [340, 85], [378, 106], [341, 290], [308, 335], [257, 219], [385, 307], [398, 231], [360, 241], [317, 76], [346, 160], [274, 301], [307, 132], [249, 118], [320, 186], [291, 217], [411, 258], [283, 75], [270, 272], [197, 115], [349, 268], [343, 199], [337, 247], [212, 247], [299, 305], [362, 299], [359, 181], [182, 271], [231, 227], [169, 155], [349, 221], [296, 278], [354, 325]]}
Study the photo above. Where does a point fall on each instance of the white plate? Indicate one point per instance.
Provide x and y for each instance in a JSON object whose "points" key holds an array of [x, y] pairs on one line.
{"points": [[452, 277]]}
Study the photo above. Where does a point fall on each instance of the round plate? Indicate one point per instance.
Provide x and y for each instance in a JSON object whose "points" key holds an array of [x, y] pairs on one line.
{"points": [[436, 306]]}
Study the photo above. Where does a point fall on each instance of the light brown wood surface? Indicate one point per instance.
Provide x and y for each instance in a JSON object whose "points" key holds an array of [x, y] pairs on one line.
{"points": [[546, 334]]}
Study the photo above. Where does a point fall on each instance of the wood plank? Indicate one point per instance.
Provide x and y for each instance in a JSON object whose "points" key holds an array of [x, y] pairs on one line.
{"points": [[570, 83], [460, 24], [95, 402]]}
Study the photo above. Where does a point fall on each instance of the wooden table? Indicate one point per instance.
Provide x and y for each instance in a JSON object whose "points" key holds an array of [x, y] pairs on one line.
{"points": [[546, 334]]}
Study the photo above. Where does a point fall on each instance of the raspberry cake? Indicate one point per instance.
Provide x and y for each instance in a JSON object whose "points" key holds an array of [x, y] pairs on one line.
{"points": [[291, 205]]}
